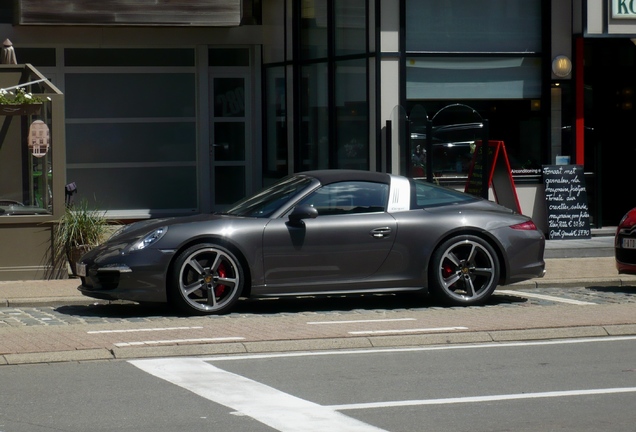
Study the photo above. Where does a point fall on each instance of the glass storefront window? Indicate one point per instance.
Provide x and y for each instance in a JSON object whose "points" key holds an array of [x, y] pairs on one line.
{"points": [[473, 25], [330, 108], [123, 95], [350, 27], [275, 153], [314, 26], [314, 125], [468, 53], [131, 130], [352, 123], [229, 184], [456, 127], [137, 186], [133, 142], [274, 32], [39, 57]]}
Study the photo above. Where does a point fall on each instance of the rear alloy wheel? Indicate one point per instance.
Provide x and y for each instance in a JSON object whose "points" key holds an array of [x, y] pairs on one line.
{"points": [[208, 279], [464, 271]]}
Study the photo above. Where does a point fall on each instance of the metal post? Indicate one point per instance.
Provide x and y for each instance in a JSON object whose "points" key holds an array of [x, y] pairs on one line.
{"points": [[429, 151], [485, 150], [388, 146]]}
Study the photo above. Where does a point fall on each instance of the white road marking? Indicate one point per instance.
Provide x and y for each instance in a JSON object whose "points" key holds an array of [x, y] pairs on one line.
{"points": [[287, 413], [362, 321], [176, 341], [143, 330], [278, 410], [421, 330], [544, 297], [458, 400]]}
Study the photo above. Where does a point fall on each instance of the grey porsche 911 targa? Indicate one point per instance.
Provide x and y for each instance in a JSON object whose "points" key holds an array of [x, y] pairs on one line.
{"points": [[320, 233]]}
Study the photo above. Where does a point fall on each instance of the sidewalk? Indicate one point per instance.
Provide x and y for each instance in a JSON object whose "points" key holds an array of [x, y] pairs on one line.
{"points": [[96, 334]]}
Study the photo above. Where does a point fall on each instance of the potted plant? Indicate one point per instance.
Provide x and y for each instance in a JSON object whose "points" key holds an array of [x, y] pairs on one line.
{"points": [[78, 231]]}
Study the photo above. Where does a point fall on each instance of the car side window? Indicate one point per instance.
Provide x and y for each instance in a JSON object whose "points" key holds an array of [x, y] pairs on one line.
{"points": [[349, 198], [431, 195]]}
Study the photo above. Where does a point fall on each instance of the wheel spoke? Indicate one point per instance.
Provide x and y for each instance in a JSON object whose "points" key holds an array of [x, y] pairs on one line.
{"points": [[453, 258], [229, 282], [196, 266], [217, 262], [470, 288], [196, 285], [451, 280], [211, 297], [472, 254], [485, 271]]}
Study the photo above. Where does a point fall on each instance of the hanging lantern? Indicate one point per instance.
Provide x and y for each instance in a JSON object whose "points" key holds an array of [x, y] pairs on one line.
{"points": [[39, 138]]}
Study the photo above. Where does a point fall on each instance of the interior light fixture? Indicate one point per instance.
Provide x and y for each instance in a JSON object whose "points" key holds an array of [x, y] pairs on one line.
{"points": [[561, 66]]}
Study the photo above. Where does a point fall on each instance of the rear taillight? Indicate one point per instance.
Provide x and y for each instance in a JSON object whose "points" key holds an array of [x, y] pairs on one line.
{"points": [[527, 226]]}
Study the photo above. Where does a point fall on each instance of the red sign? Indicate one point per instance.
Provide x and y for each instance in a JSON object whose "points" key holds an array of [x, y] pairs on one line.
{"points": [[499, 175]]}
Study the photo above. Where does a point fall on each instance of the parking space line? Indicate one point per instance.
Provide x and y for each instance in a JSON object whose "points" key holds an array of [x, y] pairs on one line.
{"points": [[363, 321], [420, 330], [143, 330], [492, 398], [544, 297]]}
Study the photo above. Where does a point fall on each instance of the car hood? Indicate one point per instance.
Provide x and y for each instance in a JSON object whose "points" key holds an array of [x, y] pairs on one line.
{"points": [[141, 228]]}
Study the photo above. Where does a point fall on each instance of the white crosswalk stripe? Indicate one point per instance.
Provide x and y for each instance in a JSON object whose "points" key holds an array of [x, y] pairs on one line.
{"points": [[279, 410]]}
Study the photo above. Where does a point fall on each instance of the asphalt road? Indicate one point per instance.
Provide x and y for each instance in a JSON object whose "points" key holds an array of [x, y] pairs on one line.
{"points": [[582, 385]]}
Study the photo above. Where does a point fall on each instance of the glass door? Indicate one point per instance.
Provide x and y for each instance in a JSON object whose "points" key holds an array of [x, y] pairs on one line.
{"points": [[230, 134]]}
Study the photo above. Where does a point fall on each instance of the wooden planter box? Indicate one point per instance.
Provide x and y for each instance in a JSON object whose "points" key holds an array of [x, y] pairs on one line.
{"points": [[26, 109]]}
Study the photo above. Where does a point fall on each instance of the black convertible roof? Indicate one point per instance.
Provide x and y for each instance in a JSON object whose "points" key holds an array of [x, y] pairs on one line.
{"points": [[337, 175]]}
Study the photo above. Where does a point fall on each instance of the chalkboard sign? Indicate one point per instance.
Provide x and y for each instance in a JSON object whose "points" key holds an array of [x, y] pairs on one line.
{"points": [[566, 200]]}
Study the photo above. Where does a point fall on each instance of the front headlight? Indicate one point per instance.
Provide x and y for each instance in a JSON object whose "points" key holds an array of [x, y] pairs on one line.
{"points": [[148, 239]]}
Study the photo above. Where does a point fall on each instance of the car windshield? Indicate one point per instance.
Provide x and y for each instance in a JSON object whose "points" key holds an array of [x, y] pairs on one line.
{"points": [[267, 201]]}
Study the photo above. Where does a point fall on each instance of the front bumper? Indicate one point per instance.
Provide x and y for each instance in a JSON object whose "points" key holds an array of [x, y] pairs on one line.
{"points": [[139, 277]]}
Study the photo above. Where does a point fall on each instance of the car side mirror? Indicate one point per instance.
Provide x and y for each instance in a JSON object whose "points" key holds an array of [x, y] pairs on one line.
{"points": [[301, 212]]}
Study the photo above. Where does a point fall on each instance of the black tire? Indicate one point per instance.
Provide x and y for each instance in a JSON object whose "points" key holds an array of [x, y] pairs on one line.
{"points": [[464, 271], [207, 279]]}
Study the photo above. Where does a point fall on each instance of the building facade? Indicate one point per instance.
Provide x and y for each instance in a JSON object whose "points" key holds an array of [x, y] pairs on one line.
{"points": [[173, 111]]}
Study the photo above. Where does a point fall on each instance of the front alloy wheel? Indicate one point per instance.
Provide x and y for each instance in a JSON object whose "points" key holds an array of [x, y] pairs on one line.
{"points": [[464, 271], [208, 279]]}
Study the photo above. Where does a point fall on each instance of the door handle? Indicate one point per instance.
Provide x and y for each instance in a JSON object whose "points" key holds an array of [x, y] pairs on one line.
{"points": [[380, 232]]}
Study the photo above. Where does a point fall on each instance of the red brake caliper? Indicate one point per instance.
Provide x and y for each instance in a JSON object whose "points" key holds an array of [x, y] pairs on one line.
{"points": [[219, 289], [447, 270]]}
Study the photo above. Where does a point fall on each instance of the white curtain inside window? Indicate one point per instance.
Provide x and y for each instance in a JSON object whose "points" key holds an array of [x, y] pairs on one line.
{"points": [[473, 78]]}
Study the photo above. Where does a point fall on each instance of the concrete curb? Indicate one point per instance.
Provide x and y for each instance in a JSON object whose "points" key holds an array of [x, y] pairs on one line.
{"points": [[572, 283], [265, 347]]}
